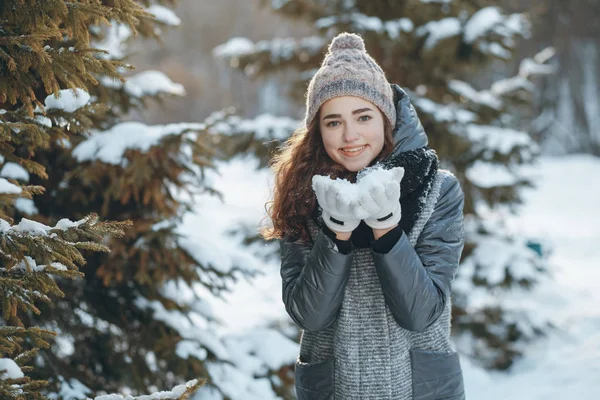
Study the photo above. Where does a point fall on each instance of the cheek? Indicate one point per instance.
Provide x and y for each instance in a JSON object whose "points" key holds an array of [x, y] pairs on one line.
{"points": [[329, 143], [376, 137]]}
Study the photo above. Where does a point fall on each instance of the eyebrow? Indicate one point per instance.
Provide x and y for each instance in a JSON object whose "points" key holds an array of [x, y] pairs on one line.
{"points": [[358, 111]]}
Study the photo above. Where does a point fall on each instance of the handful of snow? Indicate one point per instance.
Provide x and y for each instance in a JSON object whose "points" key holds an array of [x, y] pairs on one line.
{"points": [[350, 193], [377, 175]]}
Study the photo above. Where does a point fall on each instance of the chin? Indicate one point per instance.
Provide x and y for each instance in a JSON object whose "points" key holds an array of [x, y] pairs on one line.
{"points": [[355, 167]]}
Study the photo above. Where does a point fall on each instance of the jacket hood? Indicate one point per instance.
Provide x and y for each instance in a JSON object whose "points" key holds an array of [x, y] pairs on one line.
{"points": [[408, 133]]}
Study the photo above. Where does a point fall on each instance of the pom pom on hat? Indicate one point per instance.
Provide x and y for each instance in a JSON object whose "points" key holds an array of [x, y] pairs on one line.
{"points": [[347, 41]]}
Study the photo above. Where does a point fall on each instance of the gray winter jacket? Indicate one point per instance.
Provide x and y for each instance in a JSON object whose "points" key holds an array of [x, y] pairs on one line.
{"points": [[415, 280]]}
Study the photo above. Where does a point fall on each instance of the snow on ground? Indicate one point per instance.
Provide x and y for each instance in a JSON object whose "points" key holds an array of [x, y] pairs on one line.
{"points": [[562, 211]]}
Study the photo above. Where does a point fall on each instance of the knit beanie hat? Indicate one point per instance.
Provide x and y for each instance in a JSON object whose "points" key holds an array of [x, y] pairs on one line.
{"points": [[348, 70]]}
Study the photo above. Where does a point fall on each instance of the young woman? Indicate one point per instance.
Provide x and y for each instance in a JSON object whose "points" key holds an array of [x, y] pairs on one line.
{"points": [[367, 263]]}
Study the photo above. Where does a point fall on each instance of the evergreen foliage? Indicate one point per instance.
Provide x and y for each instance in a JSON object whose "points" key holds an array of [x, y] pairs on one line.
{"points": [[75, 314]]}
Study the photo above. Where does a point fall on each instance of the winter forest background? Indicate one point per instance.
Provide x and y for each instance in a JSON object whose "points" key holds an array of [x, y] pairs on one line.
{"points": [[130, 263]]}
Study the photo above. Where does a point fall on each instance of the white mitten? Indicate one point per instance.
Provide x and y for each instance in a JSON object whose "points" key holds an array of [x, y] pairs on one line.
{"points": [[339, 200], [380, 196]]}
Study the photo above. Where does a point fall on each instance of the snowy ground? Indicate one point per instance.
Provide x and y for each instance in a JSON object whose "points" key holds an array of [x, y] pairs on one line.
{"points": [[563, 210]]}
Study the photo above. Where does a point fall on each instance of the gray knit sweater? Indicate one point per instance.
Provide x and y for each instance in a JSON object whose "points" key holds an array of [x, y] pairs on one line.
{"points": [[371, 351]]}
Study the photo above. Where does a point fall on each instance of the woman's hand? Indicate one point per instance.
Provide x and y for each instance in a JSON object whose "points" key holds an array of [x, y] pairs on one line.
{"points": [[337, 199], [375, 198], [342, 235], [380, 198], [377, 233]]}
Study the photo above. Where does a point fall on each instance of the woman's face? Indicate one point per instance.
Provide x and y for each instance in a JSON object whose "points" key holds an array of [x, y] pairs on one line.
{"points": [[352, 130]]}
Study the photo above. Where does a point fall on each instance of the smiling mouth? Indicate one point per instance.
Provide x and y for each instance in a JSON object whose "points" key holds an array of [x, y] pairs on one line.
{"points": [[354, 151]]}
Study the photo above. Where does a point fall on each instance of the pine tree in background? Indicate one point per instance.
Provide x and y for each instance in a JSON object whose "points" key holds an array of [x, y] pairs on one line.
{"points": [[432, 48], [137, 320], [35, 258]]}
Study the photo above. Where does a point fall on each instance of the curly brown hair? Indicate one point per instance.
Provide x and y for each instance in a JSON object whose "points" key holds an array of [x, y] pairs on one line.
{"points": [[300, 158]]}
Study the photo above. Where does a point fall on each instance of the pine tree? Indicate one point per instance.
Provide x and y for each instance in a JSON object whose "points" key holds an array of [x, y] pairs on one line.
{"points": [[433, 49], [33, 256], [113, 326]]}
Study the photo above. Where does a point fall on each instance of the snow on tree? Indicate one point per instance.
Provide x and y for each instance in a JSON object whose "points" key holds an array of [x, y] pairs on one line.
{"points": [[138, 318], [432, 48]]}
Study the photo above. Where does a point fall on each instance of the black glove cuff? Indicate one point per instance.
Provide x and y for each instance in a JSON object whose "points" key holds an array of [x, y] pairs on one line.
{"points": [[344, 246], [385, 243]]}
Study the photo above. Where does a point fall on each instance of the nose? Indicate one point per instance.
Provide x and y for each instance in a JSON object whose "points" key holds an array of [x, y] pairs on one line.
{"points": [[350, 133]]}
